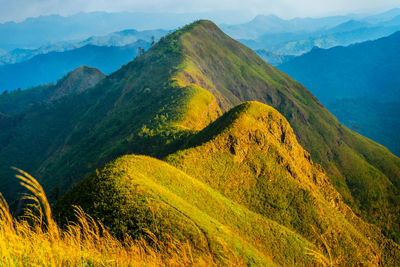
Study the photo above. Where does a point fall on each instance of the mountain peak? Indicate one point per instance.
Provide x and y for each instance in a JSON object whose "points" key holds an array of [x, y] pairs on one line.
{"points": [[266, 18], [203, 23], [77, 81]]}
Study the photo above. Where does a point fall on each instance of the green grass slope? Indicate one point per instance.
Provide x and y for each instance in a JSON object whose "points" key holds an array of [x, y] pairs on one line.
{"points": [[365, 173], [135, 194], [251, 188], [251, 156]]}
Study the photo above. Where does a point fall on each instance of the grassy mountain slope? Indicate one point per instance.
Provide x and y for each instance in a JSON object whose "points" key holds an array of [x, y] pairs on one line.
{"points": [[263, 183], [365, 173], [136, 193], [18, 100], [251, 156], [137, 108], [180, 85]]}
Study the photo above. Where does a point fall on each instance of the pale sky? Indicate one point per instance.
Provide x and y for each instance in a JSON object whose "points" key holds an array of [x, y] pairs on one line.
{"points": [[18, 10]]}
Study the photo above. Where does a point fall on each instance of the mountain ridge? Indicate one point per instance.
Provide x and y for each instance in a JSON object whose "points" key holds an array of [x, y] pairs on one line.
{"points": [[142, 109], [268, 128]]}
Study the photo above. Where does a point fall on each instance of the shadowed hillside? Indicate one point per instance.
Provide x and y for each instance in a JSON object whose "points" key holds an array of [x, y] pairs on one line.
{"points": [[73, 82]]}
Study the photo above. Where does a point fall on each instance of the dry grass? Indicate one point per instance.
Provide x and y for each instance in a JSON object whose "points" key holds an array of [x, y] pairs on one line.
{"points": [[36, 240]]}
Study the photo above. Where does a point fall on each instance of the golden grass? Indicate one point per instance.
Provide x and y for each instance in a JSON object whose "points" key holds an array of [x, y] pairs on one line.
{"points": [[36, 240]]}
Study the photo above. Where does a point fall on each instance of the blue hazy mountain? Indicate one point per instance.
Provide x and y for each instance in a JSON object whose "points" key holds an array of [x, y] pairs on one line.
{"points": [[299, 35], [372, 118], [272, 24], [34, 32], [349, 32], [360, 84], [273, 58], [271, 33], [50, 67], [385, 16], [368, 69], [120, 38]]}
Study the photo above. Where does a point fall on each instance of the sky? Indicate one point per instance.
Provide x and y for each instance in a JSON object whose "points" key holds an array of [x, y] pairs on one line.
{"points": [[18, 10]]}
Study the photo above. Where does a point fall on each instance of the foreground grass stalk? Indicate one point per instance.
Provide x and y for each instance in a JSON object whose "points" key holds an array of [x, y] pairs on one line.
{"points": [[36, 240]]}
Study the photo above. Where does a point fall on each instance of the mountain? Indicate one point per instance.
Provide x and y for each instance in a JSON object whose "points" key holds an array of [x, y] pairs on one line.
{"points": [[295, 43], [346, 73], [272, 58], [350, 25], [372, 118], [298, 36], [122, 38], [393, 22], [272, 24], [50, 67], [34, 32], [157, 104], [382, 17], [74, 82], [371, 77], [237, 192]]}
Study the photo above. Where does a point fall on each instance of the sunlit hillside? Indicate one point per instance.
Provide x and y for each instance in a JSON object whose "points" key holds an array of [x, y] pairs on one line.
{"points": [[36, 240]]}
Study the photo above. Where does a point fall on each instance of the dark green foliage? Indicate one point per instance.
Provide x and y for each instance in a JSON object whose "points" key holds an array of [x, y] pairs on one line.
{"points": [[17, 101]]}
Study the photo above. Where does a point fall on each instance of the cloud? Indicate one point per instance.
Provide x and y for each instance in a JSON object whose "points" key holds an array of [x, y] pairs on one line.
{"points": [[21, 9]]}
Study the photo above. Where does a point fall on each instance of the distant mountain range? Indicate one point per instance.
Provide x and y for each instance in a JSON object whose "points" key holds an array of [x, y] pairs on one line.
{"points": [[121, 38], [34, 32], [360, 84], [273, 58], [276, 40], [47, 68], [271, 24], [296, 37]]}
